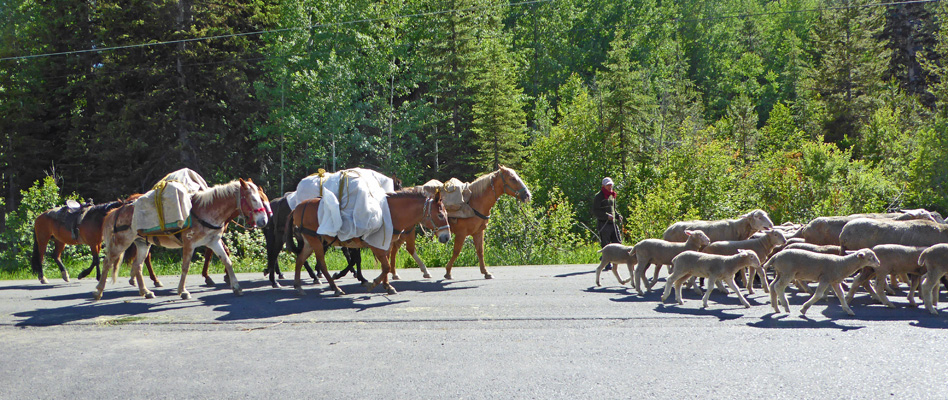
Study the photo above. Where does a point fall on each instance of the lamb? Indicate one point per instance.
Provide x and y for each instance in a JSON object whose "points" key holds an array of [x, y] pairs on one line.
{"points": [[829, 270], [713, 267], [864, 233], [893, 259], [661, 252], [616, 253], [728, 229], [826, 230], [935, 259], [761, 245]]}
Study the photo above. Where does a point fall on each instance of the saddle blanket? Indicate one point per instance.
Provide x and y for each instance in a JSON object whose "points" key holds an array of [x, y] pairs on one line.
{"points": [[167, 207], [353, 204], [454, 195]]}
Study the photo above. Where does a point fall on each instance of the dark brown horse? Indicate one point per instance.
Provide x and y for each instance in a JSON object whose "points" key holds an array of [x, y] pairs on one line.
{"points": [[407, 210], [485, 190], [50, 225]]}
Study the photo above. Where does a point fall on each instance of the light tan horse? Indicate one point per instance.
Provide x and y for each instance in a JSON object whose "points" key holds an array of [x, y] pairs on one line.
{"points": [[485, 190], [210, 209], [407, 208]]}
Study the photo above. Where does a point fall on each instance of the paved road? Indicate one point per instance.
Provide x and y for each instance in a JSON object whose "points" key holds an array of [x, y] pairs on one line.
{"points": [[534, 332]]}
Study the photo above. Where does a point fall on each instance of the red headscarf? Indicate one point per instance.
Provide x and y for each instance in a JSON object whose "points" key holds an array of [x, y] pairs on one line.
{"points": [[608, 192]]}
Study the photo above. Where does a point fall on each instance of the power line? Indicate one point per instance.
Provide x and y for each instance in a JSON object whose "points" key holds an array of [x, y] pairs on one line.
{"points": [[431, 43], [255, 33]]}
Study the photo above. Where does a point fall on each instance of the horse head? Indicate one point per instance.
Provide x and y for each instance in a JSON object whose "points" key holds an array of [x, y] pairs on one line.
{"points": [[252, 206], [437, 218], [513, 185]]}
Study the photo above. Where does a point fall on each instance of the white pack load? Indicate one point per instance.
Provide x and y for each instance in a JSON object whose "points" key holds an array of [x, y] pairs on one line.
{"points": [[353, 204], [166, 208], [454, 195]]}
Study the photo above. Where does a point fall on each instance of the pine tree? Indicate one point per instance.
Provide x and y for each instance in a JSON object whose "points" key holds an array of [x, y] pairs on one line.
{"points": [[499, 118], [850, 66]]}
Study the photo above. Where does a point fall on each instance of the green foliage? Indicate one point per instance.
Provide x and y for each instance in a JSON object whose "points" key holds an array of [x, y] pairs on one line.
{"points": [[43, 196], [665, 204]]}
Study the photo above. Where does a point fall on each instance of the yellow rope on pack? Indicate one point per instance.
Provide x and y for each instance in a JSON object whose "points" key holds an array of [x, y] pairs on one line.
{"points": [[160, 189]]}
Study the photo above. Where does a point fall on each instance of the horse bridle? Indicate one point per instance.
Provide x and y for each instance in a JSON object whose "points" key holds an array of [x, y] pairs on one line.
{"points": [[518, 192], [427, 212], [250, 212]]}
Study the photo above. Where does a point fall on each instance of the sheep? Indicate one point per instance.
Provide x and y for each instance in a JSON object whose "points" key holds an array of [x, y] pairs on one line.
{"points": [[935, 259], [824, 249], [615, 253], [829, 270], [893, 259], [761, 245], [713, 267], [864, 233], [826, 230], [728, 229], [661, 252]]}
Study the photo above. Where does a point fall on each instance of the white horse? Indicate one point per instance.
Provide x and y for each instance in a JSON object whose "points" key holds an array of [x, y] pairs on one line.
{"points": [[210, 209]]}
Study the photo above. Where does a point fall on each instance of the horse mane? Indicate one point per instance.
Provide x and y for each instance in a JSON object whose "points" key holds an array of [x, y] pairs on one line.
{"points": [[415, 191], [205, 197], [482, 183], [103, 208]]}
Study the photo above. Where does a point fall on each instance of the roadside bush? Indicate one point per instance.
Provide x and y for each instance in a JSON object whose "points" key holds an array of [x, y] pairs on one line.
{"points": [[18, 237]]}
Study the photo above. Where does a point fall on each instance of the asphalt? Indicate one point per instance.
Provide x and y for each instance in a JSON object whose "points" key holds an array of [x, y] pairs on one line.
{"points": [[531, 332]]}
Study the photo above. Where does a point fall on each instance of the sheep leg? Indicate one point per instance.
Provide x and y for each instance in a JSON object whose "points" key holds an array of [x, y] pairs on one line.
{"points": [[670, 284], [777, 295], [913, 288], [615, 271], [838, 289], [763, 278], [695, 285], [740, 296], [640, 276], [602, 265], [658, 270], [817, 295], [708, 286], [880, 291], [927, 288], [861, 280]]}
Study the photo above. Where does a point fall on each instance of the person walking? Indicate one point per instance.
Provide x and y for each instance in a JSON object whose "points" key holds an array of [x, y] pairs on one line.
{"points": [[604, 209]]}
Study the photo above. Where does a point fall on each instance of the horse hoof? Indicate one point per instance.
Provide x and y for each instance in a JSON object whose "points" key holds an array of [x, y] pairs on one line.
{"points": [[65, 275], [315, 281], [276, 285], [300, 292], [488, 276], [227, 279], [159, 284], [43, 280], [447, 276], [208, 281], [131, 281], [280, 276], [366, 284], [238, 291], [338, 293], [395, 277], [185, 296], [336, 276], [97, 296], [426, 276], [150, 295], [392, 290]]}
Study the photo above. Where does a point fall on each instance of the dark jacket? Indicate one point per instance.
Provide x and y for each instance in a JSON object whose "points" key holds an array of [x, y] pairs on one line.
{"points": [[602, 206]]}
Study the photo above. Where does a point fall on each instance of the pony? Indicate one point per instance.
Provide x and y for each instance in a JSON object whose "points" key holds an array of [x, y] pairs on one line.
{"points": [[485, 190], [407, 210], [47, 226], [210, 209], [208, 253]]}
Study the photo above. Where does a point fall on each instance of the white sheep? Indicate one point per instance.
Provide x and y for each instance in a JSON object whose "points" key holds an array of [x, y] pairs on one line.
{"points": [[616, 253], [661, 252], [713, 268], [727, 229], [893, 260], [829, 270], [761, 245], [935, 259]]}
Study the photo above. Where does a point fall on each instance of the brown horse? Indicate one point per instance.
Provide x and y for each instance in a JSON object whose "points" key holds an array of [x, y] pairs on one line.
{"points": [[210, 209], [48, 226], [208, 252], [485, 190], [408, 208]]}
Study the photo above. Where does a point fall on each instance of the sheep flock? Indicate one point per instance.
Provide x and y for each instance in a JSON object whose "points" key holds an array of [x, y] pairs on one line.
{"points": [[843, 255]]}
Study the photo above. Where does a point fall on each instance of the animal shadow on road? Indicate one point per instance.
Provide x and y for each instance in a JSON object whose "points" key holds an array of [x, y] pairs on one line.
{"points": [[100, 310]]}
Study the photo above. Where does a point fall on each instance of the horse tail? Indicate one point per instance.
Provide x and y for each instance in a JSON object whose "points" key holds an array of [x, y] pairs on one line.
{"points": [[35, 261], [289, 238]]}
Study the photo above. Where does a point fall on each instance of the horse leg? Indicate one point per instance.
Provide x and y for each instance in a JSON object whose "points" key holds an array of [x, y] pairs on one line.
{"points": [[57, 256], [136, 271], [479, 249], [410, 248], [380, 255], [356, 255], [207, 263], [151, 271], [458, 245], [222, 253], [300, 260], [392, 262], [113, 256], [94, 249], [39, 253]]}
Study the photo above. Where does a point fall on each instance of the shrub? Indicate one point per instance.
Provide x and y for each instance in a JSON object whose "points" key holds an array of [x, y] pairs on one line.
{"points": [[18, 237]]}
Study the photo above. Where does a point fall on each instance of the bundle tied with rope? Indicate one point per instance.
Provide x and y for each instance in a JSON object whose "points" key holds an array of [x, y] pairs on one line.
{"points": [[166, 208]]}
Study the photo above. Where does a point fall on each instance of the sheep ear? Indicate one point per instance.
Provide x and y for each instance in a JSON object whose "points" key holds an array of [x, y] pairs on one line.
{"points": [[861, 254], [688, 233]]}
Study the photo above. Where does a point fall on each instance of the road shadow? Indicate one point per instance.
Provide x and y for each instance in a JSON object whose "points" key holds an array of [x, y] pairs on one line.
{"points": [[718, 304], [567, 275], [99, 310]]}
